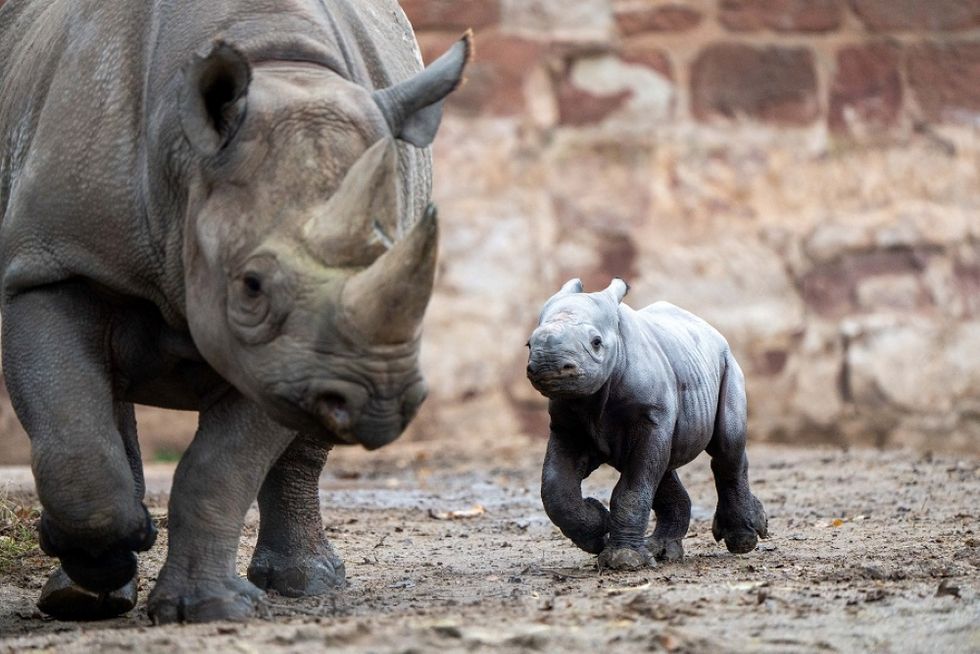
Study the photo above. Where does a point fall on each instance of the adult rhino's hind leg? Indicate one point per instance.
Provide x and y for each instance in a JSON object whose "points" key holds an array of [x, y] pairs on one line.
{"points": [[672, 506], [56, 366], [740, 519], [216, 481], [292, 556]]}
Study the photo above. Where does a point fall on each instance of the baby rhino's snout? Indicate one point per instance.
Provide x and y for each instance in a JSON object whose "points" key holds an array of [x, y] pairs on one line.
{"points": [[549, 360]]}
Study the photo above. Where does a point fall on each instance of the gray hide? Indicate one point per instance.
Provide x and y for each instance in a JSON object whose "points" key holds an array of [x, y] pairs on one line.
{"points": [[217, 206], [645, 392]]}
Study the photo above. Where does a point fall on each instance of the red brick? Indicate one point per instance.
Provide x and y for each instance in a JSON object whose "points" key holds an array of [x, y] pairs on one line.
{"points": [[898, 15], [495, 78], [657, 18], [774, 84], [781, 15], [451, 14], [578, 107], [945, 80], [653, 58], [868, 84]]}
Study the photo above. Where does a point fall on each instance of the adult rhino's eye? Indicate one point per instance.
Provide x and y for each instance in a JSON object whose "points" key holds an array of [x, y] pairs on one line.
{"points": [[596, 342], [253, 284]]}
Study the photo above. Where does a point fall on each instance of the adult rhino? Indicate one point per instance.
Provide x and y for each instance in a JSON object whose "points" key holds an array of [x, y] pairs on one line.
{"points": [[219, 206]]}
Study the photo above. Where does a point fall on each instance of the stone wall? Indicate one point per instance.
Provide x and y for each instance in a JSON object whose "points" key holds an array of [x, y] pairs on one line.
{"points": [[802, 173]]}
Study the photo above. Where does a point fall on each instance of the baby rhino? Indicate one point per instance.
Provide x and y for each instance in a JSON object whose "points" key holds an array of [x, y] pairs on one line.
{"points": [[646, 392]]}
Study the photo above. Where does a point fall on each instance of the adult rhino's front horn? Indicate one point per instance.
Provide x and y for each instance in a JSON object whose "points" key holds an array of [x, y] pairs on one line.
{"points": [[413, 108], [384, 304]]}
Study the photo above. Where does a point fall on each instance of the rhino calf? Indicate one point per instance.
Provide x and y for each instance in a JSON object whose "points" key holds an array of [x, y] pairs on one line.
{"points": [[645, 392], [219, 206]]}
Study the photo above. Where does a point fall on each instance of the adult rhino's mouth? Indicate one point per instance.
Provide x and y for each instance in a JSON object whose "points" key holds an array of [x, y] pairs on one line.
{"points": [[346, 413]]}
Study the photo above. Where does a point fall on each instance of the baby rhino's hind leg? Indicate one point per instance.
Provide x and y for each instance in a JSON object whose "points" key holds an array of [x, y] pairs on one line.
{"points": [[740, 519], [672, 506]]}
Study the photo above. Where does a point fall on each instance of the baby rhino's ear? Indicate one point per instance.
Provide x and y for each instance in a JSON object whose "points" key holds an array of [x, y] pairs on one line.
{"points": [[572, 286], [618, 289]]}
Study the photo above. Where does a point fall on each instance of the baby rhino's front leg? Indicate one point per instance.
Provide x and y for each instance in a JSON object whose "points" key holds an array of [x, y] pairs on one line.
{"points": [[630, 505], [585, 522]]}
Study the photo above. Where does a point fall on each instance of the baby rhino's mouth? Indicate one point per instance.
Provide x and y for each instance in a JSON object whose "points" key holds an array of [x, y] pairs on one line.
{"points": [[551, 380]]}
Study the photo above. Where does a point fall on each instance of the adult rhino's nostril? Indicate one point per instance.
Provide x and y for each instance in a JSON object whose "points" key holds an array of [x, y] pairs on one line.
{"points": [[334, 412], [568, 367]]}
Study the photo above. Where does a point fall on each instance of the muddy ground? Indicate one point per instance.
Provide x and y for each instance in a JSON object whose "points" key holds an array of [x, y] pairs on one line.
{"points": [[870, 551]]}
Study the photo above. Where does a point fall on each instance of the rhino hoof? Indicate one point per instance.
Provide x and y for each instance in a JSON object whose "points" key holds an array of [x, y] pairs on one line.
{"points": [[297, 576], [104, 573], [625, 558], [666, 550], [235, 600], [741, 530], [63, 599]]}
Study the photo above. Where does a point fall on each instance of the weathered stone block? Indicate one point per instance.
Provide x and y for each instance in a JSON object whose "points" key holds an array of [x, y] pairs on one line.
{"points": [[451, 14], [898, 15], [637, 18], [560, 20], [945, 79], [867, 87], [633, 84], [775, 84], [781, 15]]}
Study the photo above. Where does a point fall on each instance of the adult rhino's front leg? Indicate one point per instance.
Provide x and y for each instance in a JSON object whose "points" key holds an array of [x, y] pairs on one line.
{"points": [[217, 479], [85, 459], [292, 555]]}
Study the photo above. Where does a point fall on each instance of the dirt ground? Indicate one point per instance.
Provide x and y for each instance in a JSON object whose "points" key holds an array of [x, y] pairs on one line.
{"points": [[870, 551]]}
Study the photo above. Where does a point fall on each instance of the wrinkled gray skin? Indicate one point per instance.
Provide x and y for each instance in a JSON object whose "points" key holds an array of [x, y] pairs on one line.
{"points": [[217, 206], [645, 392]]}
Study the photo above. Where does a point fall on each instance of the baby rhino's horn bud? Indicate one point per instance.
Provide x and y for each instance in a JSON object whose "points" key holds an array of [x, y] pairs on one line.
{"points": [[385, 303]]}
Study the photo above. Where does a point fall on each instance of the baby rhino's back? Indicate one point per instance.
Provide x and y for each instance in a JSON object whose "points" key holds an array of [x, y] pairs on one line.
{"points": [[697, 354]]}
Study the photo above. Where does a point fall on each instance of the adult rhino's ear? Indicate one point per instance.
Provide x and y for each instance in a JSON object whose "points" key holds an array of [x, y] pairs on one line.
{"points": [[413, 108], [618, 289], [572, 286], [214, 97]]}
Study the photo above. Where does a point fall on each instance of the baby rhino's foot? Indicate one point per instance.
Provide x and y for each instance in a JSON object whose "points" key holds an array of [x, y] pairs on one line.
{"points": [[625, 558], [233, 599], [663, 549], [741, 528], [63, 599]]}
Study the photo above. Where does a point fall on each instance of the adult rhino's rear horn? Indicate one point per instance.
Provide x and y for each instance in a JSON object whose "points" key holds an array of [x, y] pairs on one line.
{"points": [[384, 304], [413, 108]]}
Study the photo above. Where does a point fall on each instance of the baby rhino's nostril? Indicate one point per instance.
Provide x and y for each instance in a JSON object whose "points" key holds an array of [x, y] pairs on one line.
{"points": [[568, 367]]}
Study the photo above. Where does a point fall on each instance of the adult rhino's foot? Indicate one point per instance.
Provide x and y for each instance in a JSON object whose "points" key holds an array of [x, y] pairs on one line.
{"points": [[232, 599], [64, 599], [625, 558], [297, 575], [741, 526], [665, 549], [114, 564]]}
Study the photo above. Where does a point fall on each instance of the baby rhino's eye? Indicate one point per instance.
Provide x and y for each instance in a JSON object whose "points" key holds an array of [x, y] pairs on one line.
{"points": [[596, 342]]}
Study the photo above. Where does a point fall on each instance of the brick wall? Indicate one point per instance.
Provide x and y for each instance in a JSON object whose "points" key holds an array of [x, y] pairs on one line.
{"points": [[783, 62], [803, 173]]}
